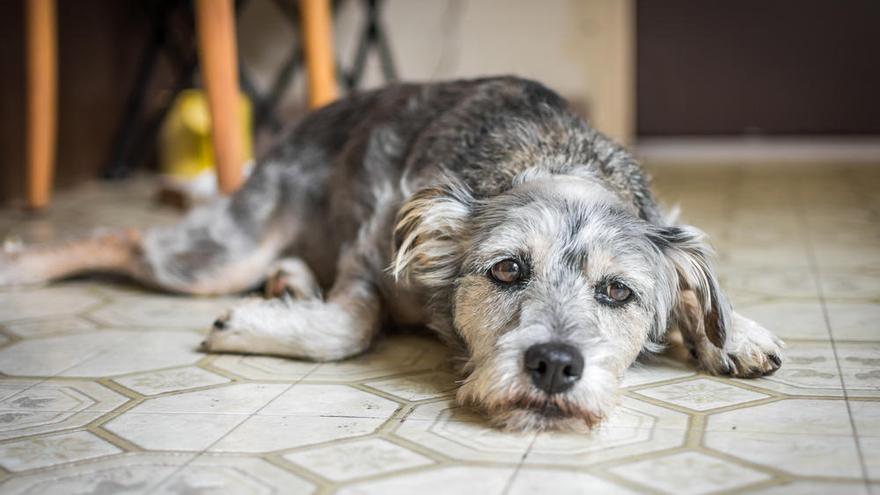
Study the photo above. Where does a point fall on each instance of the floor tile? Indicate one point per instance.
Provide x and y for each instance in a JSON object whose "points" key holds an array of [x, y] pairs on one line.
{"points": [[689, 473], [789, 319], [50, 450], [151, 310], [345, 461], [634, 428], [417, 387], [273, 433], [816, 488], [173, 431], [61, 300], [803, 437], [242, 398], [49, 326], [462, 480], [329, 400], [131, 473], [102, 353], [212, 474], [702, 394], [53, 405], [157, 382], [532, 481]]}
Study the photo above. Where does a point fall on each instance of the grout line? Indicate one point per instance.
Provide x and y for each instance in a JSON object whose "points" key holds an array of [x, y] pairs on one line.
{"points": [[509, 485], [817, 275]]}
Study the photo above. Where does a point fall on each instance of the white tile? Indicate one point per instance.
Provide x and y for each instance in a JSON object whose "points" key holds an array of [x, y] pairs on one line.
{"points": [[157, 382], [688, 473], [789, 319], [771, 281], [46, 302], [459, 433], [102, 353], [55, 449], [866, 416], [264, 367], [151, 310], [418, 387], [655, 370], [816, 488], [461, 480], [345, 461], [212, 474], [174, 431], [130, 473], [854, 321], [271, 433], [807, 437], [43, 407], [702, 394], [788, 416], [242, 398], [329, 400], [50, 326], [804, 454], [391, 355], [850, 284], [635, 427], [533, 481]]}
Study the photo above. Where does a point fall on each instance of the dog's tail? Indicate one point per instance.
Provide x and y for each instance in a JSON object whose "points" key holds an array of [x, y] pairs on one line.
{"points": [[116, 252]]}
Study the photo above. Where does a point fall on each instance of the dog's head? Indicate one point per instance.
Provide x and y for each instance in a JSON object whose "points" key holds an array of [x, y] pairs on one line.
{"points": [[554, 287]]}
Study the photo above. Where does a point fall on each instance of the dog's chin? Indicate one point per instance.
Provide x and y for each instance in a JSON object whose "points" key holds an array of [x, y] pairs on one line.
{"points": [[543, 415]]}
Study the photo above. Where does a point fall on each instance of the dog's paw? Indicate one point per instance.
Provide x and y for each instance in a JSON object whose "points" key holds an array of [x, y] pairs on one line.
{"points": [[750, 351], [291, 278], [235, 332]]}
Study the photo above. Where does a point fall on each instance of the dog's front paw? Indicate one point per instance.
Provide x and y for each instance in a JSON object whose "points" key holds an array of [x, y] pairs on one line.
{"points": [[750, 351], [235, 331], [220, 336]]}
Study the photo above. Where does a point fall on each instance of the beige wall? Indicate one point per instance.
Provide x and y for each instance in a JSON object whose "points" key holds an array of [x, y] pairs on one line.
{"points": [[581, 48]]}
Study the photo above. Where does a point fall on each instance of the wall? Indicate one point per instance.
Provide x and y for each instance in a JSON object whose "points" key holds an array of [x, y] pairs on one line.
{"points": [[581, 48]]}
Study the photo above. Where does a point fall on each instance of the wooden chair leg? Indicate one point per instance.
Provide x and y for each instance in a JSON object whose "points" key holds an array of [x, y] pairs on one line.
{"points": [[317, 32], [215, 21], [42, 85]]}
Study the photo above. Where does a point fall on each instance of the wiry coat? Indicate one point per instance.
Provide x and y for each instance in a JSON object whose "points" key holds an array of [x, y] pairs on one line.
{"points": [[399, 204]]}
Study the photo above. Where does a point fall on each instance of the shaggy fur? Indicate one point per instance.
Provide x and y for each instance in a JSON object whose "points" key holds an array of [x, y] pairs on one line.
{"points": [[393, 206]]}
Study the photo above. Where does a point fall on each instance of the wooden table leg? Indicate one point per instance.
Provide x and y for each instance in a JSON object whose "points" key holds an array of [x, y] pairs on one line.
{"points": [[218, 61], [42, 86], [317, 32]]}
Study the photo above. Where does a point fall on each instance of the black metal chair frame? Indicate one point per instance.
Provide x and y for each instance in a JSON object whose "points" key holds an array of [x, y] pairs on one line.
{"points": [[137, 133]]}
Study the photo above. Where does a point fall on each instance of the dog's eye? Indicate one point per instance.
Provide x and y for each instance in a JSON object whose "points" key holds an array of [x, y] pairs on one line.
{"points": [[614, 293], [506, 272]]}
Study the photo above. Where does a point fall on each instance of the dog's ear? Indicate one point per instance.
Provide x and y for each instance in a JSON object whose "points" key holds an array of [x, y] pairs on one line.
{"points": [[428, 234], [700, 307]]}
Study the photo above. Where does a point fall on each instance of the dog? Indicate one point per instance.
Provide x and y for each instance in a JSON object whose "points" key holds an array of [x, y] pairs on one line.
{"points": [[484, 210]]}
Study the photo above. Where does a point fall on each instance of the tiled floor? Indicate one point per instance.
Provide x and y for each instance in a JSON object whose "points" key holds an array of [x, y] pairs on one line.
{"points": [[103, 390]]}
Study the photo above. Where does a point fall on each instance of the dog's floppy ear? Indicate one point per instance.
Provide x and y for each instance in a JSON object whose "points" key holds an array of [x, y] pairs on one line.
{"points": [[428, 233], [701, 306]]}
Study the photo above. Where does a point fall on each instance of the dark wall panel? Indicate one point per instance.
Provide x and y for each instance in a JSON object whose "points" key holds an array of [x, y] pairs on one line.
{"points": [[758, 67]]}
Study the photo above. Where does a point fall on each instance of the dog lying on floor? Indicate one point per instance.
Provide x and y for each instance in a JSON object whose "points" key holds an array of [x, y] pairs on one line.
{"points": [[482, 209]]}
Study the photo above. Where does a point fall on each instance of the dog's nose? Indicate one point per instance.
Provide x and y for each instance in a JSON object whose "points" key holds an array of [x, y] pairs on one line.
{"points": [[554, 367]]}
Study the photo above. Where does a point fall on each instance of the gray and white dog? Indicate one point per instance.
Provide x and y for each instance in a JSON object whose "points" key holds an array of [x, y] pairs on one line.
{"points": [[484, 210]]}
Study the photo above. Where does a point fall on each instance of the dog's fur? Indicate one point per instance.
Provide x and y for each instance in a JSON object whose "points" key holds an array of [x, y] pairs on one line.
{"points": [[398, 202]]}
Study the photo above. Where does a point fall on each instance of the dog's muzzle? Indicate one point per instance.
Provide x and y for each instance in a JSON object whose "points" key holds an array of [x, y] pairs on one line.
{"points": [[554, 367]]}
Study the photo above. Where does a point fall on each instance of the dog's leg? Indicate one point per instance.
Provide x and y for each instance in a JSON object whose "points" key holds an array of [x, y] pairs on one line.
{"points": [[221, 248], [291, 277], [341, 326], [111, 252], [748, 349]]}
